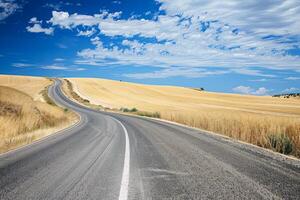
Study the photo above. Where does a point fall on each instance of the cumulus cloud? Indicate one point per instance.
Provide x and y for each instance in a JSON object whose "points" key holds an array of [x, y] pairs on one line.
{"points": [[194, 34], [87, 33], [37, 28], [7, 8], [34, 20], [248, 90]]}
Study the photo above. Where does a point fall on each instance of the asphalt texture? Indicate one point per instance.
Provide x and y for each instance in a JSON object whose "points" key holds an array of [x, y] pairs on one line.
{"points": [[158, 160]]}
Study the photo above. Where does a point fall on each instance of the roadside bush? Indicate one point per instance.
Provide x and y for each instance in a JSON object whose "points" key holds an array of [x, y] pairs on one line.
{"points": [[48, 100], [128, 110], [149, 114], [281, 143], [124, 109], [133, 110]]}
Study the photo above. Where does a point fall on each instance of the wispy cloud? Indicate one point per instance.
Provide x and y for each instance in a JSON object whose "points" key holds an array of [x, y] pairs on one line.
{"points": [[259, 80], [166, 73], [60, 5], [7, 8], [292, 78], [21, 65], [192, 35], [116, 2], [60, 67], [59, 59], [249, 90], [291, 89], [55, 67], [252, 72]]}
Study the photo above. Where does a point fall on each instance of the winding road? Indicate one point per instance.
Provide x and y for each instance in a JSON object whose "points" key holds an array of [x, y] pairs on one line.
{"points": [[113, 156]]}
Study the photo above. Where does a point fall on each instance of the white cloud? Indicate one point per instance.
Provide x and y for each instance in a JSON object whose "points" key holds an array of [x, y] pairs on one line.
{"points": [[34, 20], [252, 72], [259, 80], [248, 90], [7, 8], [37, 28], [55, 67], [236, 36], [184, 72], [290, 90], [243, 89], [59, 59], [261, 91], [87, 33], [21, 65], [260, 17], [65, 20], [292, 78], [60, 5], [116, 2], [59, 67]]}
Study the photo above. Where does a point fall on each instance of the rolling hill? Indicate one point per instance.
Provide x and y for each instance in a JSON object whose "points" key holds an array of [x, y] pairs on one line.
{"points": [[255, 119]]}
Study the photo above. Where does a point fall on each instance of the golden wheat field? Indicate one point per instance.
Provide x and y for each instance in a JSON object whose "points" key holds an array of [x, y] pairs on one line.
{"points": [[264, 121], [28, 84], [24, 119]]}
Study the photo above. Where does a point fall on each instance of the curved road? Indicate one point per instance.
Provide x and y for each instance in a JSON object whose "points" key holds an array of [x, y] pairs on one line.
{"points": [[112, 156]]}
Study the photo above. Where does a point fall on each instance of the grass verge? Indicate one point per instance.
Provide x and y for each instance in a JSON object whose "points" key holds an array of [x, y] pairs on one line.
{"points": [[23, 120]]}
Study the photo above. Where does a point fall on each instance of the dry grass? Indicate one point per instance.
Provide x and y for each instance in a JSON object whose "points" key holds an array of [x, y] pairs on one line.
{"points": [[28, 84], [253, 119], [23, 119]]}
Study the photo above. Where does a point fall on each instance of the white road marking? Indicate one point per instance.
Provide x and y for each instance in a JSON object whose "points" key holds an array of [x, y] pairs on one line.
{"points": [[125, 177]]}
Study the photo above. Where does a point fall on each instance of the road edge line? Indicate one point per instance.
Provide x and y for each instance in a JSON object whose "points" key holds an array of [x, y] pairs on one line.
{"points": [[123, 195]]}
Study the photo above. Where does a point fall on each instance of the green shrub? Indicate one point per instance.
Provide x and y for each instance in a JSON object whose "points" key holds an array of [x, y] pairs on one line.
{"points": [[128, 110], [124, 109], [281, 143], [133, 110]]}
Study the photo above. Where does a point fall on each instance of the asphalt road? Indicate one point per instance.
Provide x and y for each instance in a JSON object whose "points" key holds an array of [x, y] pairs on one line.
{"points": [[112, 156]]}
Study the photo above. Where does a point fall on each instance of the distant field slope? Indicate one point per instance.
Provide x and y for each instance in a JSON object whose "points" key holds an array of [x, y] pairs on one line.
{"points": [[254, 119], [23, 119], [27, 84]]}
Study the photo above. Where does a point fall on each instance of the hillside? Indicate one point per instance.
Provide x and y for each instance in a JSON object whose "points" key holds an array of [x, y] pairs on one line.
{"points": [[253, 119], [24, 119], [115, 94], [30, 85]]}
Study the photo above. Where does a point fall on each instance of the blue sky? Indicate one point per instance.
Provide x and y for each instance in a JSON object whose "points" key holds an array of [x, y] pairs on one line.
{"points": [[248, 47]]}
